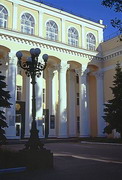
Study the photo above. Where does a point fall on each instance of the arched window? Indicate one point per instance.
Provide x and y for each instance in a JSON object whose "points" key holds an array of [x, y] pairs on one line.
{"points": [[3, 16], [73, 37], [27, 23], [51, 30], [91, 42]]}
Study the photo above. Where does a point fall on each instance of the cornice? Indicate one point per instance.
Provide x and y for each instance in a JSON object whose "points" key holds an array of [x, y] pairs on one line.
{"points": [[36, 41], [112, 55]]}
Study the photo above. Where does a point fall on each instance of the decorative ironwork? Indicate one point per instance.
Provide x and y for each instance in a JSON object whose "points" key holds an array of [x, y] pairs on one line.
{"points": [[33, 69]]}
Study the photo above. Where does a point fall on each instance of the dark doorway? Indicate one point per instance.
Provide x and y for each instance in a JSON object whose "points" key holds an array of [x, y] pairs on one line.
{"points": [[20, 119]]}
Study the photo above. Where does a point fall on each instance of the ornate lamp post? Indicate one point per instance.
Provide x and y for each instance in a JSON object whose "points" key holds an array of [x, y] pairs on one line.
{"points": [[33, 69]]}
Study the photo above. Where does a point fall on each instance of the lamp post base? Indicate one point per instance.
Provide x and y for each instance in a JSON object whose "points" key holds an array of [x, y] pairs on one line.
{"points": [[34, 142], [34, 155]]}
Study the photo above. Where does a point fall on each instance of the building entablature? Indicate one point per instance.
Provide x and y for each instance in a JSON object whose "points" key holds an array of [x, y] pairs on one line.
{"points": [[39, 17], [110, 56], [31, 40]]}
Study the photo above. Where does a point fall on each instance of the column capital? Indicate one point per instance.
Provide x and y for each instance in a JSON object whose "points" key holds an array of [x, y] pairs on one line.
{"points": [[52, 70], [63, 67], [98, 74], [78, 71], [82, 72], [41, 12], [15, 4]]}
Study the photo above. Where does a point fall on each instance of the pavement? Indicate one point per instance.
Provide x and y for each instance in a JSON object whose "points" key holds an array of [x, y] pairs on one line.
{"points": [[44, 140], [74, 160]]}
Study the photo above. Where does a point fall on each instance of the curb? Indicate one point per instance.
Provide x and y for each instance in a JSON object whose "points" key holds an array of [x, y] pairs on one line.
{"points": [[113, 144], [13, 170]]}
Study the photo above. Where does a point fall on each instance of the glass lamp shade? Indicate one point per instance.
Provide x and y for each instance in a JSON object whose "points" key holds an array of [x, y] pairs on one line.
{"points": [[19, 54], [29, 60], [37, 52], [45, 57], [32, 51]]}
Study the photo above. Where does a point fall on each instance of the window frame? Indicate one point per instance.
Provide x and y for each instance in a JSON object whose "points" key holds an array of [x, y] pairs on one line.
{"points": [[3, 17], [51, 31], [73, 38], [27, 26], [91, 41]]}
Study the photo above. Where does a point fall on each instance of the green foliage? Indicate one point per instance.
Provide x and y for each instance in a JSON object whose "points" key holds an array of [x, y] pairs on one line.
{"points": [[117, 7], [116, 4], [113, 108], [4, 103]]}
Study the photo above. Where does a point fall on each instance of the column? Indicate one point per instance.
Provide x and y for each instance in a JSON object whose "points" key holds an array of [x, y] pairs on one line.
{"points": [[54, 92], [52, 102], [40, 24], [72, 103], [100, 103], [11, 81], [84, 116], [50, 75], [62, 131], [28, 107], [83, 37], [15, 18], [39, 104], [63, 31]]}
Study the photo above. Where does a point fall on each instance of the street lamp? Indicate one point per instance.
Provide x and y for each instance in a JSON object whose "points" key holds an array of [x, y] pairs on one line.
{"points": [[32, 69]]}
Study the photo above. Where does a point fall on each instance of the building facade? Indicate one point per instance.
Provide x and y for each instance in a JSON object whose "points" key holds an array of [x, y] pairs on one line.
{"points": [[72, 90]]}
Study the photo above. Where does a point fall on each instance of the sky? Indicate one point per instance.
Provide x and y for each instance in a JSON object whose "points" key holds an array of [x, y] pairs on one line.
{"points": [[90, 9]]}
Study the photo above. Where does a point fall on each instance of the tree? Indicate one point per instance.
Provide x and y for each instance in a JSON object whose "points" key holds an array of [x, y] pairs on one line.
{"points": [[113, 108], [4, 103], [117, 7]]}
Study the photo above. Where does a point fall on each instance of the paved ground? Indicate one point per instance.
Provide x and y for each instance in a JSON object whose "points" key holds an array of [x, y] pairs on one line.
{"points": [[77, 161]]}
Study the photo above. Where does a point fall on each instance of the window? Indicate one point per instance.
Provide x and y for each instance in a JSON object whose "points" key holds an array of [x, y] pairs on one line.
{"points": [[19, 93], [73, 37], [27, 23], [3, 16], [52, 31], [52, 122], [91, 42]]}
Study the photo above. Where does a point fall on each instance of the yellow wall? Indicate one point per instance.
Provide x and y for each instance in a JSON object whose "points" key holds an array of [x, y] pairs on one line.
{"points": [[93, 105], [8, 5], [110, 47], [34, 13]]}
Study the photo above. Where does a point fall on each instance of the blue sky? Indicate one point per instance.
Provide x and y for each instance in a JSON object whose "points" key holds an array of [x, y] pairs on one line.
{"points": [[89, 9]]}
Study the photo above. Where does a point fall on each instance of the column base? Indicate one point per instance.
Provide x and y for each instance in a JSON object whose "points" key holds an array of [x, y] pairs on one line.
{"points": [[62, 136], [101, 135], [13, 137], [83, 136]]}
